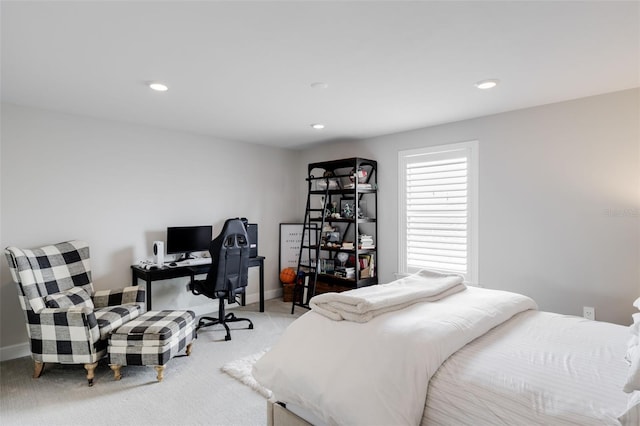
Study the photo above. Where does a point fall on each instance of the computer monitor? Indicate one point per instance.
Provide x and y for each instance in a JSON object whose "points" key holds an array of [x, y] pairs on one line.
{"points": [[187, 239]]}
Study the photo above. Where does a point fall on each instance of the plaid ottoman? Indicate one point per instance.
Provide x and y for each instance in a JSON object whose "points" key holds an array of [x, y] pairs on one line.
{"points": [[151, 339]]}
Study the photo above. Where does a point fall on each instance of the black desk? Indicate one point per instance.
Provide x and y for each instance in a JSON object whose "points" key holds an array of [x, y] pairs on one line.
{"points": [[166, 273]]}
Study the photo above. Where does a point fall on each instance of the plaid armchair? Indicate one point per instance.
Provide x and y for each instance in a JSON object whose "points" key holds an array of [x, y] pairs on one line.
{"points": [[67, 321]]}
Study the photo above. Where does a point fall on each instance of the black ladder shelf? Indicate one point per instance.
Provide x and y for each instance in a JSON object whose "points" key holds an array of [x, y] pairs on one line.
{"points": [[307, 273], [350, 180]]}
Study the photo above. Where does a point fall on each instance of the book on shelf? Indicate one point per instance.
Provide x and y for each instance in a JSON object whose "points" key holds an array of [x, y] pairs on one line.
{"points": [[366, 264], [347, 245], [366, 242], [326, 266], [345, 272], [360, 186]]}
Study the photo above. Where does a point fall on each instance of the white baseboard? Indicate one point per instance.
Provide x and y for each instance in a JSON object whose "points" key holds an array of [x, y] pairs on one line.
{"points": [[15, 351], [269, 294], [22, 349]]}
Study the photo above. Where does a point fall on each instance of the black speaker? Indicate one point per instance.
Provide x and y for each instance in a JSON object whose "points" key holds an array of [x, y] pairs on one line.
{"points": [[252, 233]]}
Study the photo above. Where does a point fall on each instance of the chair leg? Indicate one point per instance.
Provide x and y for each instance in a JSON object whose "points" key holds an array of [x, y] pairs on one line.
{"points": [[90, 372], [160, 370], [38, 368], [222, 319], [228, 336], [231, 317]]}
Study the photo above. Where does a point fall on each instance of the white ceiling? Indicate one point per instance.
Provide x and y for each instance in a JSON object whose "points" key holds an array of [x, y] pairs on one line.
{"points": [[242, 71]]}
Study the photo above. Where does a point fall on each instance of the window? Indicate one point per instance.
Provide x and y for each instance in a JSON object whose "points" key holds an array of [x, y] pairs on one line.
{"points": [[438, 209]]}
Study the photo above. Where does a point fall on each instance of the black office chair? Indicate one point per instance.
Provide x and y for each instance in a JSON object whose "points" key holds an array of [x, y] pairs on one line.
{"points": [[228, 276]]}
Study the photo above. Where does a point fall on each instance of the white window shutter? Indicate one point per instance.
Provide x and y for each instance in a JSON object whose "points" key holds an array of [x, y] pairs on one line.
{"points": [[436, 214], [436, 209]]}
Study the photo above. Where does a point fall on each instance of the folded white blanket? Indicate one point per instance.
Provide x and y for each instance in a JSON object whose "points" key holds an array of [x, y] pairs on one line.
{"points": [[363, 304]]}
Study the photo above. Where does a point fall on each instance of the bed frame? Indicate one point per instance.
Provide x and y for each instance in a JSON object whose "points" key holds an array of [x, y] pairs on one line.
{"points": [[278, 415]]}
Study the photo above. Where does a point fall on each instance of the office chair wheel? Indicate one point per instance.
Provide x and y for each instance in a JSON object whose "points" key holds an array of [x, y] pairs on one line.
{"points": [[227, 338], [250, 326]]}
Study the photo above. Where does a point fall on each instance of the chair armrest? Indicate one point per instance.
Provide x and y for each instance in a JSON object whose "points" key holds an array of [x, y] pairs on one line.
{"points": [[132, 294], [73, 318]]}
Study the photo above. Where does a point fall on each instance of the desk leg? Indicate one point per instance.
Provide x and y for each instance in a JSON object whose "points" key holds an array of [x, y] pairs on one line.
{"points": [[148, 291], [134, 281], [262, 286]]}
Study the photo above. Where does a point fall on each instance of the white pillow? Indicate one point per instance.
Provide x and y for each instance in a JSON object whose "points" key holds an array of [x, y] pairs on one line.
{"points": [[634, 341], [633, 357], [637, 303], [74, 297], [632, 347], [631, 416], [635, 327]]}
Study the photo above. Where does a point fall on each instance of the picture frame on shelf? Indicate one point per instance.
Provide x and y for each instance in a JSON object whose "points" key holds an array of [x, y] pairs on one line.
{"points": [[333, 237]]}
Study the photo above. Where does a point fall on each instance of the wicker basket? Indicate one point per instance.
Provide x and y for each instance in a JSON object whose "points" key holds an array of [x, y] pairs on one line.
{"points": [[287, 295]]}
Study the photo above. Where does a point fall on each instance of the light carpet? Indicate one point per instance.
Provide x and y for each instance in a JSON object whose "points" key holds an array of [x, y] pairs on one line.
{"points": [[240, 369]]}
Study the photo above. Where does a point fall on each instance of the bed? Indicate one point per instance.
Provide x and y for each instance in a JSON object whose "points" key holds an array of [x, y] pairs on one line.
{"points": [[456, 356]]}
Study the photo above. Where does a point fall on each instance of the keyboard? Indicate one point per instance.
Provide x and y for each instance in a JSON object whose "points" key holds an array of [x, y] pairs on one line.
{"points": [[193, 262]]}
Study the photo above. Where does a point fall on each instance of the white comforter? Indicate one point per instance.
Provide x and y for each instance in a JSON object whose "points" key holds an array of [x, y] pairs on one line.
{"points": [[377, 373], [539, 368]]}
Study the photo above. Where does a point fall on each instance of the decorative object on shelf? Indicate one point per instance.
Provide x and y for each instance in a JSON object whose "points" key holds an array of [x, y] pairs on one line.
{"points": [[333, 184], [329, 179], [342, 257], [360, 173], [333, 237], [346, 207]]}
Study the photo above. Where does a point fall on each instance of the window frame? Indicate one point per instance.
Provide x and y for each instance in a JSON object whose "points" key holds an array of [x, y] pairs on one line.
{"points": [[405, 157]]}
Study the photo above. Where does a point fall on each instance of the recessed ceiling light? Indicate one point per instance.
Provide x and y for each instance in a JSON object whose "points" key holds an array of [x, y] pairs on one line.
{"points": [[319, 85], [487, 84], [159, 87], [318, 126]]}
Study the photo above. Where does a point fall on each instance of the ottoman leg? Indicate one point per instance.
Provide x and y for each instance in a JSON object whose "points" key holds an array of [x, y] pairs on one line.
{"points": [[189, 349], [116, 371], [160, 370], [90, 372], [37, 369]]}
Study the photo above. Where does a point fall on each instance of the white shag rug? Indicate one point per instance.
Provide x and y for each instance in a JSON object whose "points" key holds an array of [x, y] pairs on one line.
{"points": [[240, 369]]}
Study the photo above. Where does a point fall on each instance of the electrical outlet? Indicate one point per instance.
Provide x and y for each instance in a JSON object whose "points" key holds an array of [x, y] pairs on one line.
{"points": [[589, 312]]}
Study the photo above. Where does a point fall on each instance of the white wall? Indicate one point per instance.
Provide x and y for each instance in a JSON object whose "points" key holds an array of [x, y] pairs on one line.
{"points": [[119, 186], [559, 200]]}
